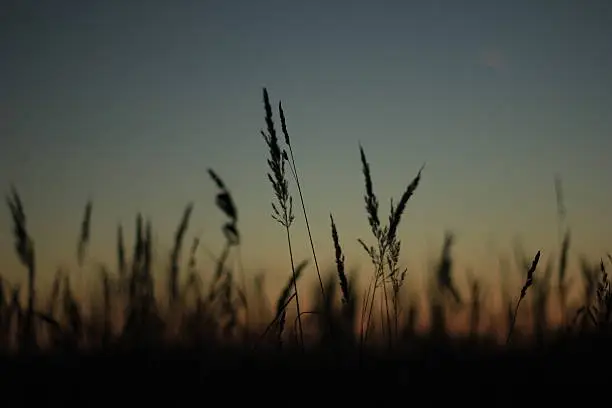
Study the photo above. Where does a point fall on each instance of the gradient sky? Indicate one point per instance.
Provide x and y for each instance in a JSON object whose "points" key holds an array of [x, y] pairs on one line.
{"points": [[129, 102]]}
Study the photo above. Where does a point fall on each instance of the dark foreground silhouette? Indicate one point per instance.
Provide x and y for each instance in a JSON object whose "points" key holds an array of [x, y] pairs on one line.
{"points": [[132, 360], [453, 371]]}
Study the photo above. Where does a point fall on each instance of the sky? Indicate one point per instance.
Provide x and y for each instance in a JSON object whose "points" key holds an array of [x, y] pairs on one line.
{"points": [[129, 103]]}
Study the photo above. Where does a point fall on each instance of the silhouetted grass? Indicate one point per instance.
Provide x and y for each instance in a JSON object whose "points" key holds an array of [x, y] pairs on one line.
{"points": [[219, 326]]}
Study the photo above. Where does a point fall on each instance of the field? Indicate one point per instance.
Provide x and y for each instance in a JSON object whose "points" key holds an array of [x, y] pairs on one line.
{"points": [[198, 336]]}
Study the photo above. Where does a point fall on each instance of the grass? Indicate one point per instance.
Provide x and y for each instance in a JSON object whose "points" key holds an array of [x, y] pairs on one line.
{"points": [[223, 324]]}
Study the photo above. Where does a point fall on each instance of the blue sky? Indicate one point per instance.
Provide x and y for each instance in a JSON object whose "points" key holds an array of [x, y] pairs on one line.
{"points": [[129, 103]]}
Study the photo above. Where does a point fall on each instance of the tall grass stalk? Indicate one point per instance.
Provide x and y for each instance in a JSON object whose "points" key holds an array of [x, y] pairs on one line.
{"points": [[564, 243], [294, 171], [24, 247], [179, 235], [226, 204], [282, 211], [527, 285], [387, 249]]}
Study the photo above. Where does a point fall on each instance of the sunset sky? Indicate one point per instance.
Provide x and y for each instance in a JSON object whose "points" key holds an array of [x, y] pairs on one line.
{"points": [[130, 102]]}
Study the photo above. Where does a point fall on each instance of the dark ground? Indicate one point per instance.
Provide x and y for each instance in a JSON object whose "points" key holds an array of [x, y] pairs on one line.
{"points": [[433, 372]]}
